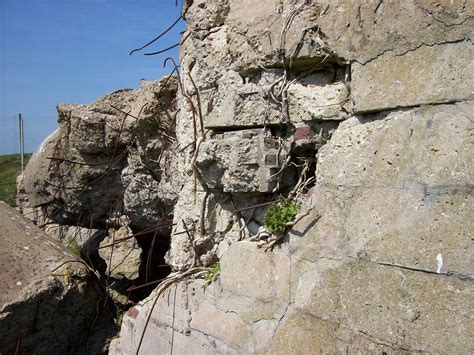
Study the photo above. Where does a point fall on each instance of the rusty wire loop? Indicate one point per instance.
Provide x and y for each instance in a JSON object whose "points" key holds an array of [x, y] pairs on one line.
{"points": [[198, 100], [185, 94], [74, 261]]}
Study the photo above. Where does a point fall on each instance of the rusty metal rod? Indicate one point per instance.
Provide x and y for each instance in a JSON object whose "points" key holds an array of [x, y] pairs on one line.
{"points": [[133, 288], [157, 37], [155, 228], [171, 47], [256, 206]]}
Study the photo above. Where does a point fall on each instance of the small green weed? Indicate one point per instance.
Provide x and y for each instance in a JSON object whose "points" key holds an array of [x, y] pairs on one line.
{"points": [[278, 214], [212, 272]]}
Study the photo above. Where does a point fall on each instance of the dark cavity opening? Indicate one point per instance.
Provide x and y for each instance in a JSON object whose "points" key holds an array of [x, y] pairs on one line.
{"points": [[153, 267]]}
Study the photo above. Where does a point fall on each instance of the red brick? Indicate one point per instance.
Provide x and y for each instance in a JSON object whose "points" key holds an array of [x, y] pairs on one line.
{"points": [[247, 135], [270, 159], [271, 143], [303, 133], [133, 313]]}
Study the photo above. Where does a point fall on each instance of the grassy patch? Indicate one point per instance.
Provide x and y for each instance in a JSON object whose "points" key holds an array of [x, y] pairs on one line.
{"points": [[10, 168]]}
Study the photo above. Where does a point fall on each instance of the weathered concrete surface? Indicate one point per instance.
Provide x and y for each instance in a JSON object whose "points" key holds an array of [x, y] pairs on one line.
{"points": [[113, 156], [241, 161], [384, 55], [359, 274], [383, 262], [48, 299], [444, 73], [363, 30], [424, 168]]}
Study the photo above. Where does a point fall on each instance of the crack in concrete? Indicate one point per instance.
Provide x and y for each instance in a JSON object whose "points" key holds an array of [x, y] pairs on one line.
{"points": [[391, 345], [212, 339], [415, 188], [390, 109], [422, 44], [452, 189], [433, 16], [279, 323], [463, 277]]}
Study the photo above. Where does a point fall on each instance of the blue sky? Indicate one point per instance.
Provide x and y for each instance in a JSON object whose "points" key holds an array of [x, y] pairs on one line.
{"points": [[74, 51]]}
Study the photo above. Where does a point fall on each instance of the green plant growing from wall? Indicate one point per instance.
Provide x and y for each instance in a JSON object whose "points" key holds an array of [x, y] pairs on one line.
{"points": [[279, 214], [212, 272]]}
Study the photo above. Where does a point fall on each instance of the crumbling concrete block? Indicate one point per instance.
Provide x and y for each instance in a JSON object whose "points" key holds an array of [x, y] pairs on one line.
{"points": [[242, 161]]}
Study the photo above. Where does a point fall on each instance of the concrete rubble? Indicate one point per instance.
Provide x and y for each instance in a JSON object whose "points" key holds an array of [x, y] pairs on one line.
{"points": [[110, 158]]}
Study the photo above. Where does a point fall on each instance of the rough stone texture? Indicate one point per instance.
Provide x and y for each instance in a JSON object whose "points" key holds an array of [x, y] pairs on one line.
{"points": [[241, 161], [47, 305], [242, 101], [102, 161], [393, 190], [363, 30], [362, 277], [387, 81]]}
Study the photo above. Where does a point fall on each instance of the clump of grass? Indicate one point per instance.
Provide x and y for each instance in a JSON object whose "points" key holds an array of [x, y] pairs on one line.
{"points": [[212, 272], [279, 214]]}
